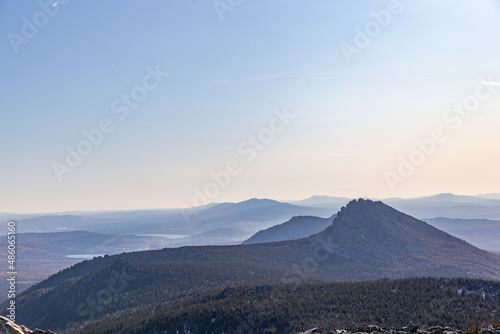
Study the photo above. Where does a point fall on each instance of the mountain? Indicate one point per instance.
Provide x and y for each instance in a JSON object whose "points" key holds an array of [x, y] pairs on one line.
{"points": [[322, 201], [374, 233], [367, 240], [296, 228], [253, 203], [482, 233], [253, 214]]}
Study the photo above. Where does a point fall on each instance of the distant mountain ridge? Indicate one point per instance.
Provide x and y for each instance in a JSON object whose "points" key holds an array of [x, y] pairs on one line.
{"points": [[448, 205], [323, 201], [258, 213], [449, 197], [491, 196], [483, 233], [245, 205]]}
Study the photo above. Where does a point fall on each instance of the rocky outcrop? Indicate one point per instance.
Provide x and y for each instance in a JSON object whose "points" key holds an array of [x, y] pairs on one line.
{"points": [[489, 330], [7, 326], [411, 328]]}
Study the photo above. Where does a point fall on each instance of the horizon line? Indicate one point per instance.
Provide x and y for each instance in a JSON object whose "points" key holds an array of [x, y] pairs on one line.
{"points": [[289, 201]]}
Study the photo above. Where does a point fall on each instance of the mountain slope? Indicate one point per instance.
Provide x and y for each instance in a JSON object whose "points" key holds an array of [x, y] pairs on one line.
{"points": [[374, 233], [367, 240], [123, 284], [296, 228], [43, 254]]}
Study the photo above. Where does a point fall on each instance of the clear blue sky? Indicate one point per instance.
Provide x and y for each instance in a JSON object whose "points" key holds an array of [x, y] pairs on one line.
{"points": [[226, 79]]}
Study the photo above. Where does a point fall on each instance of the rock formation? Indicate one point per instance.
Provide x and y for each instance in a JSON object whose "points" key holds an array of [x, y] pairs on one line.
{"points": [[7, 326], [410, 329]]}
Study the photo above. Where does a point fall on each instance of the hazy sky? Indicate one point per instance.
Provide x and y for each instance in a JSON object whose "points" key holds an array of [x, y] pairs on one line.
{"points": [[289, 98]]}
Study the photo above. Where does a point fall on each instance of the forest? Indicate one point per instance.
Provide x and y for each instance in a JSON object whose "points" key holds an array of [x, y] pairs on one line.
{"points": [[290, 308]]}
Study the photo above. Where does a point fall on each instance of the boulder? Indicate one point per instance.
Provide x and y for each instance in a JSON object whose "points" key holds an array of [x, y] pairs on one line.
{"points": [[7, 326]]}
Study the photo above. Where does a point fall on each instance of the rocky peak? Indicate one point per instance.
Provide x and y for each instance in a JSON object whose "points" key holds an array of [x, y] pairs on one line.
{"points": [[372, 232], [7, 326], [366, 207]]}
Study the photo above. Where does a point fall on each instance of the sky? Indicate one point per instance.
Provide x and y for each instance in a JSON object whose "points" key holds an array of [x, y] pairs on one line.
{"points": [[109, 105]]}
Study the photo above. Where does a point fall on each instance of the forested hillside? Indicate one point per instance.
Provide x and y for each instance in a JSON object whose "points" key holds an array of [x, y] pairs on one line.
{"points": [[292, 308]]}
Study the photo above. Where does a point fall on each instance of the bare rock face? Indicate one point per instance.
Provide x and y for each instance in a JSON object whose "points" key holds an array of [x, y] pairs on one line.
{"points": [[7, 326], [373, 329]]}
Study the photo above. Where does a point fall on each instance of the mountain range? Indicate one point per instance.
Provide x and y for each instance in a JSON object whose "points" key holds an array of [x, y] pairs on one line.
{"points": [[367, 240], [450, 206], [249, 216], [50, 239], [45, 238]]}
